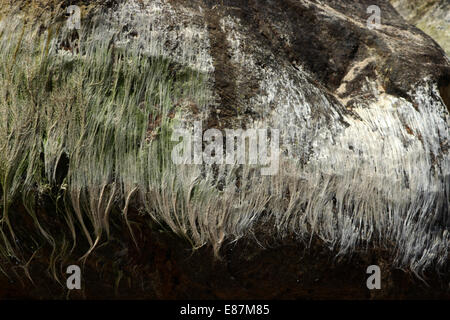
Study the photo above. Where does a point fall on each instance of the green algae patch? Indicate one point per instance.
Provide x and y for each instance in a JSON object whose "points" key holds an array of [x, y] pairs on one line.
{"points": [[87, 130]]}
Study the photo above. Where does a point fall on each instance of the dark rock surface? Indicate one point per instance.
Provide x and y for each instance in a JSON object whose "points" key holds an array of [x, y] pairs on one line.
{"points": [[165, 267]]}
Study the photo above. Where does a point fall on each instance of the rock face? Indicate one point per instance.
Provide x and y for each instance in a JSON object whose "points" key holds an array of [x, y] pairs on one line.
{"points": [[363, 175], [431, 16]]}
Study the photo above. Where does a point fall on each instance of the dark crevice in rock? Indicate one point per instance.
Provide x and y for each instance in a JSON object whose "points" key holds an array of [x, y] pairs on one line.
{"points": [[444, 90], [224, 75]]}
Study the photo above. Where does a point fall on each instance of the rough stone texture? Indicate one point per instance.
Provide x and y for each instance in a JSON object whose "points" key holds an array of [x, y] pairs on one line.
{"points": [[368, 108], [431, 16]]}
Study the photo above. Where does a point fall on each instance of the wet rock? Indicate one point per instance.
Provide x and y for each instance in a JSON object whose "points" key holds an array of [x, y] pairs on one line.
{"points": [[364, 174]]}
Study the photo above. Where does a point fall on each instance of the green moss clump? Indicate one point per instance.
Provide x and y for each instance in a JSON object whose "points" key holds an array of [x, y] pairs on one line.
{"points": [[74, 128]]}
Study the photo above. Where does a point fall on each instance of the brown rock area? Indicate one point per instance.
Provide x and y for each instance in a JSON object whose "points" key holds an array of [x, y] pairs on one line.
{"points": [[165, 267]]}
